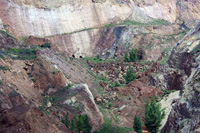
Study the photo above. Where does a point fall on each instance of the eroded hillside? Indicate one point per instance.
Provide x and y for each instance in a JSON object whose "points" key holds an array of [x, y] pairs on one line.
{"points": [[63, 58]]}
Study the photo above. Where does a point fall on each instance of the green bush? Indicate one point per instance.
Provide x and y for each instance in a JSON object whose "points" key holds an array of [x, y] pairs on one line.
{"points": [[130, 75], [126, 57], [153, 116], [66, 121], [167, 92], [114, 84], [137, 125], [134, 55]]}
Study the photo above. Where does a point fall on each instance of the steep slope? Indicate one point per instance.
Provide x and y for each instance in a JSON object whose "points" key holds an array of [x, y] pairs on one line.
{"points": [[35, 94], [184, 116], [37, 79]]}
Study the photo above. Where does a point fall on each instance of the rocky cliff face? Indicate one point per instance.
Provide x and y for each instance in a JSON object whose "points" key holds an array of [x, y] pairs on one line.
{"points": [[54, 19], [49, 18], [184, 116]]}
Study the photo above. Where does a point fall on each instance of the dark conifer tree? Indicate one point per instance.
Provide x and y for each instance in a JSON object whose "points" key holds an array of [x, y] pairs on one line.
{"points": [[153, 116]]}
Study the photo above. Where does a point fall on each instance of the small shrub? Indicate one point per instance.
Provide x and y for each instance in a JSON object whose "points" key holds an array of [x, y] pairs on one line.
{"points": [[130, 75], [13, 94], [126, 57], [109, 104], [167, 92], [114, 84], [134, 55], [41, 108]]}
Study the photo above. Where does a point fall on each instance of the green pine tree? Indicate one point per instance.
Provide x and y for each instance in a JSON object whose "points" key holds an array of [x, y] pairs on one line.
{"points": [[153, 116], [79, 123], [84, 124], [137, 125], [126, 57], [66, 121], [134, 55], [130, 75], [74, 123]]}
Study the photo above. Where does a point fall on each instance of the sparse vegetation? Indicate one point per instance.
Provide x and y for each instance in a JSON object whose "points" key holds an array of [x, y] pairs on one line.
{"points": [[67, 87], [6, 34], [147, 62], [24, 38], [98, 60], [2, 55], [108, 127], [125, 22], [155, 74], [131, 22], [153, 116], [164, 60], [109, 104], [3, 68], [167, 92], [148, 46], [115, 84], [23, 54], [13, 94]]}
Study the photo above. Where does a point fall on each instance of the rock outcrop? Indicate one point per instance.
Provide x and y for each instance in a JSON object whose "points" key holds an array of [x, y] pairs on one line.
{"points": [[184, 116], [50, 18], [1, 24], [90, 107]]}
